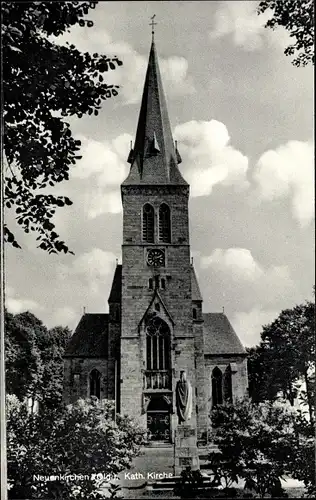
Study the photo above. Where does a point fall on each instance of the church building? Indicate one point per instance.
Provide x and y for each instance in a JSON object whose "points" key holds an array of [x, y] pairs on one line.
{"points": [[155, 328]]}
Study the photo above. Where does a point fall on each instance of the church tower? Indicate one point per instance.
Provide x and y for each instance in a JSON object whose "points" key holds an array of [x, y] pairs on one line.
{"points": [[157, 330]]}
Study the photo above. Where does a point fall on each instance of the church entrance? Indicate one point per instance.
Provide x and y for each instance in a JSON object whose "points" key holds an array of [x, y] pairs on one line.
{"points": [[158, 419]]}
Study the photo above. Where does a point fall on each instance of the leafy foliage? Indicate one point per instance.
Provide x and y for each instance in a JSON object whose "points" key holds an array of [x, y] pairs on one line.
{"points": [[79, 439], [43, 83], [303, 464], [256, 442], [284, 356], [297, 17], [34, 364]]}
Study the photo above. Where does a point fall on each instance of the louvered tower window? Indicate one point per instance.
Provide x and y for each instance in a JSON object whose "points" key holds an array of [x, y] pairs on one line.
{"points": [[217, 387], [164, 224], [95, 383], [148, 223]]}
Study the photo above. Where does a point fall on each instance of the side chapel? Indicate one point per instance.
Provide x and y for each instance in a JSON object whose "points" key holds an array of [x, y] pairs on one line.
{"points": [[155, 328]]}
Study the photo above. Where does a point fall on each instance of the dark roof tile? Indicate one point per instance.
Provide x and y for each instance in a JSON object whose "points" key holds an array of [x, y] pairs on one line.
{"points": [[116, 290], [90, 338], [219, 336]]}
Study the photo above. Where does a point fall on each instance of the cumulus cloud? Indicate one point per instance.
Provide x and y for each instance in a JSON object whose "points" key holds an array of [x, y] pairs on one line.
{"points": [[130, 77], [102, 202], [16, 304], [239, 262], [209, 158], [93, 268], [105, 164], [248, 324], [288, 171], [238, 268], [239, 20]]}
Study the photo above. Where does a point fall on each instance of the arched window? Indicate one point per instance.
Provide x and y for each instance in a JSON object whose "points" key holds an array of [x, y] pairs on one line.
{"points": [[157, 345], [164, 224], [217, 384], [163, 283], [95, 383], [150, 284], [228, 392], [194, 313], [148, 223]]}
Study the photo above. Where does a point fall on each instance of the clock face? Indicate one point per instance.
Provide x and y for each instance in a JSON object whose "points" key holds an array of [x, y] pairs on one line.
{"points": [[156, 257]]}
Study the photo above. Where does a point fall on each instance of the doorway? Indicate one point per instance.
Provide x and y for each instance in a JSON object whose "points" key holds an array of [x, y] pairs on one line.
{"points": [[158, 419]]}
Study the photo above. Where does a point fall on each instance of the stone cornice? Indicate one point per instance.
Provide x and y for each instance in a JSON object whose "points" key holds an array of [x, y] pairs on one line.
{"points": [[140, 189]]}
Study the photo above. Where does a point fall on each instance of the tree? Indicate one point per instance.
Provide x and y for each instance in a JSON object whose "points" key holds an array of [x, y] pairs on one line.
{"points": [[80, 439], [303, 467], [297, 17], [43, 84], [256, 442], [285, 356], [34, 363]]}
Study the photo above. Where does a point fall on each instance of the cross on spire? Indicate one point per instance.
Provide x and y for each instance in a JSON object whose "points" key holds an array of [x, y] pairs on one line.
{"points": [[153, 24]]}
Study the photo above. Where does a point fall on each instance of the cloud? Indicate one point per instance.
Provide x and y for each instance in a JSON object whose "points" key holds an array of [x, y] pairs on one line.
{"points": [[211, 159], [238, 262], [239, 19], [288, 171], [248, 324], [130, 77], [17, 305], [93, 267], [239, 271], [105, 165], [102, 202]]}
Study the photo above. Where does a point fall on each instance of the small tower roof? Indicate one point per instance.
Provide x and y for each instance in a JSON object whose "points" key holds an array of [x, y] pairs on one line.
{"points": [[154, 158]]}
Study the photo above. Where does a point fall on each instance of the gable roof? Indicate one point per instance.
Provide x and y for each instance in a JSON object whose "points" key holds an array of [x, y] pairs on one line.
{"points": [[154, 297], [90, 338], [195, 289], [116, 290], [219, 336]]}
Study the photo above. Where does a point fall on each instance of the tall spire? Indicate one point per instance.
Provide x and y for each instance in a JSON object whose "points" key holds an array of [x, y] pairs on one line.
{"points": [[154, 158]]}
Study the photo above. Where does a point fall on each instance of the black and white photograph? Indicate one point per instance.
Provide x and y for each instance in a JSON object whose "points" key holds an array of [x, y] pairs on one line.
{"points": [[157, 250]]}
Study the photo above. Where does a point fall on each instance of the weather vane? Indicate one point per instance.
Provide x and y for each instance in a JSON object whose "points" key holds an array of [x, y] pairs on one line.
{"points": [[153, 24]]}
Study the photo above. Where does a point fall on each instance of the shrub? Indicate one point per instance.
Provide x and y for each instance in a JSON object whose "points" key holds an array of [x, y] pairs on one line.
{"points": [[256, 442], [79, 439]]}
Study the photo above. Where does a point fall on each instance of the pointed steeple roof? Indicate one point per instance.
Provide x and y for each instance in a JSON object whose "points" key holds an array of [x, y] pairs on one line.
{"points": [[154, 158]]}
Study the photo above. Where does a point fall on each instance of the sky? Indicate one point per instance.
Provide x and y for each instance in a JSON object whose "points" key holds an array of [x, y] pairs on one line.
{"points": [[243, 118]]}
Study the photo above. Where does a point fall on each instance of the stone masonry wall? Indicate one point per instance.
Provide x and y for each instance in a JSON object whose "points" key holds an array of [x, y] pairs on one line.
{"points": [[136, 295], [83, 366]]}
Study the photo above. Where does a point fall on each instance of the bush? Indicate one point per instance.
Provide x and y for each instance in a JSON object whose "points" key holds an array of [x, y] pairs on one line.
{"points": [[256, 442], [79, 439]]}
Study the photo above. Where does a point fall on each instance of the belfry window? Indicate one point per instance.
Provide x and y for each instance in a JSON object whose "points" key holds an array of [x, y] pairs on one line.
{"points": [[164, 223], [148, 221], [95, 383], [194, 313], [217, 387], [157, 345]]}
